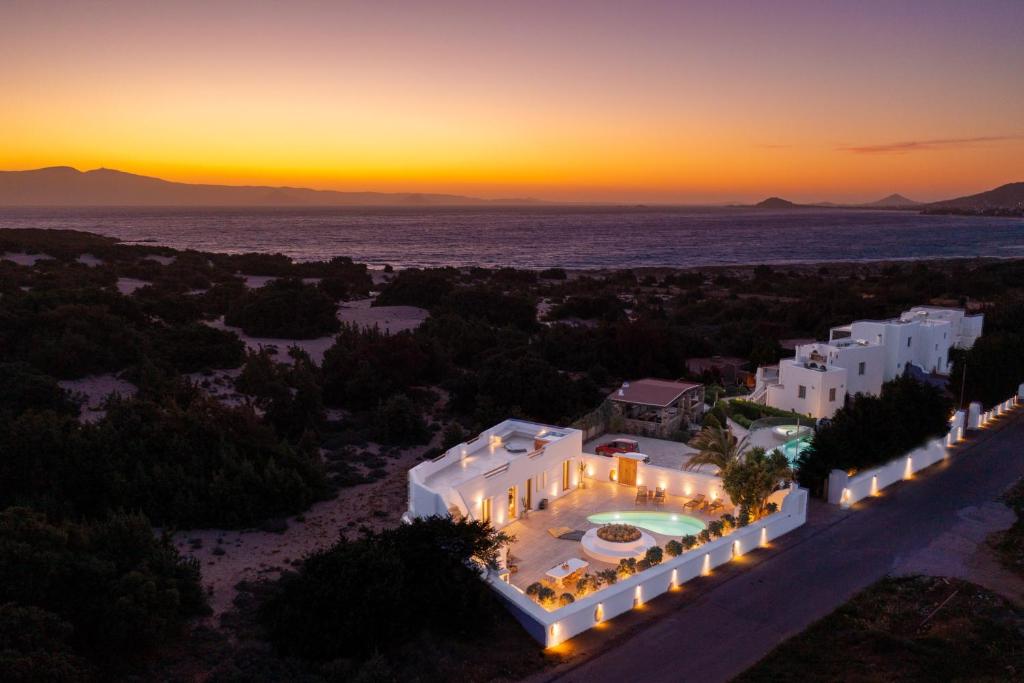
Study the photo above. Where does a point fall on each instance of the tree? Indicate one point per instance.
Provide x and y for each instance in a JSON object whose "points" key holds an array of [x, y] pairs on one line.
{"points": [[718, 446], [374, 594], [751, 480]]}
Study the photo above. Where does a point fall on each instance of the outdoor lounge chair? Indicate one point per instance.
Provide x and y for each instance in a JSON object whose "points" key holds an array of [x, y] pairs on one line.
{"points": [[659, 496], [641, 494], [695, 502], [714, 506], [559, 531]]}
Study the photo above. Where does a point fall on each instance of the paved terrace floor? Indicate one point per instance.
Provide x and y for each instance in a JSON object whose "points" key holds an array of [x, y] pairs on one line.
{"points": [[718, 626], [663, 453], [536, 551]]}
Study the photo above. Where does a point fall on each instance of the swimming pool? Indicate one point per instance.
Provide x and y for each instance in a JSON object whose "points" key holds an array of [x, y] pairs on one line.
{"points": [[665, 523], [793, 449]]}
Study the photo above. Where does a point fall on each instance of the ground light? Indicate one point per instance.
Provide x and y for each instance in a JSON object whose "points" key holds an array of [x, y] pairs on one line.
{"points": [[706, 569]]}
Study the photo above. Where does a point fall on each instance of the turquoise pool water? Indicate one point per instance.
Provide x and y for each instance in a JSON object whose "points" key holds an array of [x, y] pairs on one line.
{"points": [[665, 523], [792, 449]]}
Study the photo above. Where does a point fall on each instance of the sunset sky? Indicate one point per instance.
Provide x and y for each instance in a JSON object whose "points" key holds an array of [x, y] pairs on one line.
{"points": [[611, 101]]}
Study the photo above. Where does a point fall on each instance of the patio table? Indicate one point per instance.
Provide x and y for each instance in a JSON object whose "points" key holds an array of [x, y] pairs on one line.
{"points": [[567, 568]]}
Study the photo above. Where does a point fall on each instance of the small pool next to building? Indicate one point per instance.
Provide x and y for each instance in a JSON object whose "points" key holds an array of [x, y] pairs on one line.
{"points": [[665, 523]]}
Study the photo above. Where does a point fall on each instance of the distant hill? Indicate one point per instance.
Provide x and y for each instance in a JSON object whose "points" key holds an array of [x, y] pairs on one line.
{"points": [[893, 201], [66, 186], [1008, 197], [776, 203]]}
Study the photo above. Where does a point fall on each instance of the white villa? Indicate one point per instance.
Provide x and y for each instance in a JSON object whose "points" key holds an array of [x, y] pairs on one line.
{"points": [[537, 483], [861, 356]]}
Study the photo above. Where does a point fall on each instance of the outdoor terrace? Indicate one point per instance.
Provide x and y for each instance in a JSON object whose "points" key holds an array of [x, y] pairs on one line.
{"points": [[536, 551]]}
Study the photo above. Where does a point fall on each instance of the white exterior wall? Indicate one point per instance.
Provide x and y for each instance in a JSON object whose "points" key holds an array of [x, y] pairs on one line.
{"points": [[675, 482], [792, 375], [557, 626], [545, 470], [964, 329], [850, 357], [543, 466]]}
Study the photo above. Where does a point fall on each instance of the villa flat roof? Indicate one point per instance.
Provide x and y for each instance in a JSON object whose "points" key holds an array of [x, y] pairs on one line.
{"points": [[653, 392]]}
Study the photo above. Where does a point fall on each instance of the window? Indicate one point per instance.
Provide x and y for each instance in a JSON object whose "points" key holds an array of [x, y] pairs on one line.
{"points": [[861, 367], [832, 395], [485, 512], [565, 475], [801, 391], [909, 339]]}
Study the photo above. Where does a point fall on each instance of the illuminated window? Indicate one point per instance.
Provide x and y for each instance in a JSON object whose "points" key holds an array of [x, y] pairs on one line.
{"points": [[485, 512], [565, 475]]}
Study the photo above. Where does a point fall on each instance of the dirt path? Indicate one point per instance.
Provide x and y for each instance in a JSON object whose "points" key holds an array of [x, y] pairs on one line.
{"points": [[228, 557]]}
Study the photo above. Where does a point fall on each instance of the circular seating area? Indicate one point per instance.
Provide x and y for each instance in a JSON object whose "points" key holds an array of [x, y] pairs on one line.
{"points": [[611, 552]]}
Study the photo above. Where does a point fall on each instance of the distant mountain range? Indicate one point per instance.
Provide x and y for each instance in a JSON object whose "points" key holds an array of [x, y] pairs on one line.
{"points": [[1005, 200], [66, 186]]}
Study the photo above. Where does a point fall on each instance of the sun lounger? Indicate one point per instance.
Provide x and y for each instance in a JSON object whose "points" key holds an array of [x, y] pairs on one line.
{"points": [[659, 496], [695, 502], [559, 530], [641, 494], [714, 506]]}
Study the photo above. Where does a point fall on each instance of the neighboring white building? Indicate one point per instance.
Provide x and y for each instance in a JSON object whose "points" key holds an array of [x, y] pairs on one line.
{"points": [[496, 475], [861, 356]]}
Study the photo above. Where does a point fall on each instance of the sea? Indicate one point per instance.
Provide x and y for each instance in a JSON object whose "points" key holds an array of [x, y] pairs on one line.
{"points": [[575, 237]]}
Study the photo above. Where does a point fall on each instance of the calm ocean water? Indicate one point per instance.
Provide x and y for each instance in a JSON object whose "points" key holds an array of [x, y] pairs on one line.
{"points": [[540, 237]]}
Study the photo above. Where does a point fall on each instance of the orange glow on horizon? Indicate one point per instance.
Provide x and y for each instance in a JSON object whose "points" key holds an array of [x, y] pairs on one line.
{"points": [[668, 103]]}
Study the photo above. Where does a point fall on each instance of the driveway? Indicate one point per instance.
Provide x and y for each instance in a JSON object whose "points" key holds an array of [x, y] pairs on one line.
{"points": [[718, 626], [663, 453]]}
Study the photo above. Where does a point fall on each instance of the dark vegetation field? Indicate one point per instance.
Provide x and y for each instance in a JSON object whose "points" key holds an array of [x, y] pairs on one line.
{"points": [[546, 345], [906, 629]]}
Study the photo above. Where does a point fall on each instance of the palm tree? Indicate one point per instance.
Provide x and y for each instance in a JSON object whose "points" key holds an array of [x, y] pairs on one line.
{"points": [[718, 446]]}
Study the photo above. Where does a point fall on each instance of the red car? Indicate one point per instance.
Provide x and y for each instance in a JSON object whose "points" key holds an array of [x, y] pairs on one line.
{"points": [[616, 446]]}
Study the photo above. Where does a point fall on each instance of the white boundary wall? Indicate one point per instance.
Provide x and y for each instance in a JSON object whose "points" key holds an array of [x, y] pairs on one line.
{"points": [[557, 626], [845, 490], [675, 482]]}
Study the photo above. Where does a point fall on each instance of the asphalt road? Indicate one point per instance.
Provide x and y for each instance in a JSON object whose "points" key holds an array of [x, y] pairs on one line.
{"points": [[717, 627]]}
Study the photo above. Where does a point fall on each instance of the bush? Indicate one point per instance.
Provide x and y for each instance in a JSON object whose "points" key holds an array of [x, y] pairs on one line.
{"points": [[689, 541], [873, 430], [654, 556], [674, 548], [716, 528], [626, 567], [105, 590], [704, 536], [565, 599], [588, 583], [410, 580], [284, 308], [608, 576]]}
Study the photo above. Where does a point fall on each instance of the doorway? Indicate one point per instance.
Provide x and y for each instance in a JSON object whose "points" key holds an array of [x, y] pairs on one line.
{"points": [[627, 471], [529, 495], [512, 503]]}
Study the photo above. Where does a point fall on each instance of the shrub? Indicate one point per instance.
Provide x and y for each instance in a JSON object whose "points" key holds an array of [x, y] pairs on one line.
{"points": [[704, 536], [533, 590], [643, 565], [689, 541], [413, 579], [626, 567], [674, 548], [771, 507], [565, 599], [608, 576], [654, 555], [728, 521], [588, 583], [546, 597], [716, 528]]}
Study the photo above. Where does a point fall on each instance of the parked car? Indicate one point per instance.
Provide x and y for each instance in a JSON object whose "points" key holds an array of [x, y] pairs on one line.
{"points": [[616, 446]]}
